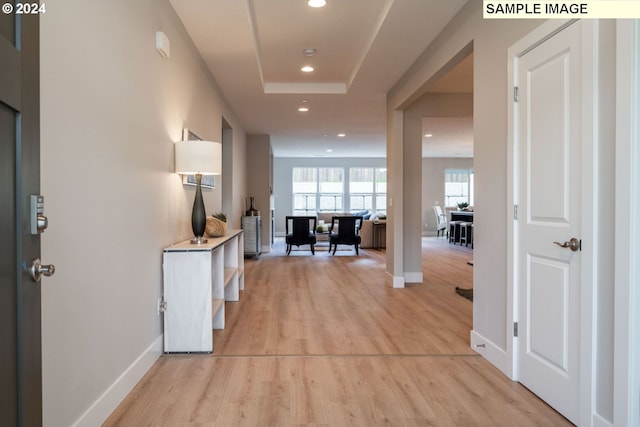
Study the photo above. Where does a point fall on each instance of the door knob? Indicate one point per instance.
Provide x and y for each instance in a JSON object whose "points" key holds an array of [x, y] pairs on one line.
{"points": [[573, 244], [37, 269]]}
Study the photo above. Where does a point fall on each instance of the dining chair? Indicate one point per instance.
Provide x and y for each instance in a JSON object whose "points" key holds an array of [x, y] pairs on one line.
{"points": [[441, 221]]}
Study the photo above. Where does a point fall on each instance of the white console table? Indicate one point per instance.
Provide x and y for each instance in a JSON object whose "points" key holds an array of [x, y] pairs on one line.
{"points": [[198, 280]]}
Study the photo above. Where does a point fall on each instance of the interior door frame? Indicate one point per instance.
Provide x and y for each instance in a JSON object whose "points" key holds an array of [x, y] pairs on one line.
{"points": [[627, 231], [21, 95], [589, 206]]}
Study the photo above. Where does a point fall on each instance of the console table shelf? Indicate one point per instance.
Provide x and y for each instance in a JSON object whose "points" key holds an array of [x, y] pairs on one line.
{"points": [[198, 280]]}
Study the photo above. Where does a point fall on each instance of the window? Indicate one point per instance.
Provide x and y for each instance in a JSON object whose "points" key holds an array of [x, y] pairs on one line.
{"points": [[331, 189], [317, 189], [381, 190], [368, 189], [323, 190], [360, 189], [458, 186], [305, 189]]}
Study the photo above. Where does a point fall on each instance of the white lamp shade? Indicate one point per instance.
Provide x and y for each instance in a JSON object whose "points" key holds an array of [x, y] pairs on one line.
{"points": [[203, 157]]}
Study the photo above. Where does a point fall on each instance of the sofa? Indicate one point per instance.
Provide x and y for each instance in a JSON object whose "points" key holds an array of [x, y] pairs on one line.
{"points": [[366, 231]]}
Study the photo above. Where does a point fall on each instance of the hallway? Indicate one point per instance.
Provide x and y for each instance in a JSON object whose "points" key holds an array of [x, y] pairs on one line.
{"points": [[325, 340]]}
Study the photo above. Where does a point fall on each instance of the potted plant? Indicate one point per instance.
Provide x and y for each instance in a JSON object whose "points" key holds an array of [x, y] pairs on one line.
{"points": [[462, 206], [217, 224]]}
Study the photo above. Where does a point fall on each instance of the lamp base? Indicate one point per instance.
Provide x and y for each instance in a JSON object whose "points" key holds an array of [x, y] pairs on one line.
{"points": [[198, 240], [198, 215]]}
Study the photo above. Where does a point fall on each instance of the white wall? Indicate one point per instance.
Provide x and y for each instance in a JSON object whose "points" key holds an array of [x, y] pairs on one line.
{"points": [[282, 174], [111, 110], [433, 187]]}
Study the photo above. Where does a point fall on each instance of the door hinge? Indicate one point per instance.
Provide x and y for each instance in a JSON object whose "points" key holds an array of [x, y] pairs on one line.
{"points": [[515, 212], [515, 329], [162, 307], [515, 94]]}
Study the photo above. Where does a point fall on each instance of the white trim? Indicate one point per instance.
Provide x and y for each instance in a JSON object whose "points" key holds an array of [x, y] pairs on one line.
{"points": [[413, 277], [627, 246], [492, 352], [396, 281], [589, 205], [100, 410], [305, 88], [591, 196]]}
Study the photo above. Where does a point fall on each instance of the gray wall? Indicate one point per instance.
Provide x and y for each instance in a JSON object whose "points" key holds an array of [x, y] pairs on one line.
{"points": [[111, 110], [283, 170]]}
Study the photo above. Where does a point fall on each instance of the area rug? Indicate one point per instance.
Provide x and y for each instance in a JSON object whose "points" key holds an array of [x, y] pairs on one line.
{"points": [[466, 293]]}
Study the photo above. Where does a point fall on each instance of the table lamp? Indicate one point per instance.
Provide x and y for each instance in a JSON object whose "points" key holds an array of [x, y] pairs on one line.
{"points": [[198, 158]]}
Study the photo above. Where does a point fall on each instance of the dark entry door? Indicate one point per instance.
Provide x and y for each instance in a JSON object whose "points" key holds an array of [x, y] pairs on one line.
{"points": [[20, 339]]}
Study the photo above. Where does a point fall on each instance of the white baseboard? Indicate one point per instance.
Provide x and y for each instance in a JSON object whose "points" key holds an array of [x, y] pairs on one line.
{"points": [[490, 351], [396, 281], [413, 277], [100, 410], [407, 277]]}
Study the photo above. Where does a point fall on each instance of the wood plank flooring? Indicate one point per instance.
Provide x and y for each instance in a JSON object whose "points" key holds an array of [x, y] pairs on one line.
{"points": [[325, 341]]}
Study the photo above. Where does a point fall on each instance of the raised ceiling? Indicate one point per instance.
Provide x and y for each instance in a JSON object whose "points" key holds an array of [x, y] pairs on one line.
{"points": [[255, 49]]}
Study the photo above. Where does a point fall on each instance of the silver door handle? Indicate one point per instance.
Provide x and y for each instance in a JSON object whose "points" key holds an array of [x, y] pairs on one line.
{"points": [[37, 269], [573, 244]]}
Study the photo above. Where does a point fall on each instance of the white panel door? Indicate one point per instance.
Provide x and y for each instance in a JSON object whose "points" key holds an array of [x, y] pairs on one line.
{"points": [[548, 153]]}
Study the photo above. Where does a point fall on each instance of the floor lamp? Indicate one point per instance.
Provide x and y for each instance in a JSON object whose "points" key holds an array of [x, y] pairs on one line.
{"points": [[198, 158]]}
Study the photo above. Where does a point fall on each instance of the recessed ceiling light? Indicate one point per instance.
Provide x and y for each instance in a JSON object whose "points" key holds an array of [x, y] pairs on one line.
{"points": [[342, 135], [306, 69], [303, 109], [329, 150], [428, 135], [317, 3]]}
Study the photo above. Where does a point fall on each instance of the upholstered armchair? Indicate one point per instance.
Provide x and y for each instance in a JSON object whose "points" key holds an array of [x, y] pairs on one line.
{"points": [[300, 230], [348, 232]]}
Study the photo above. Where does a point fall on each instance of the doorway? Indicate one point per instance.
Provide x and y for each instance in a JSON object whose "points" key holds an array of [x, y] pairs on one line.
{"points": [[227, 171]]}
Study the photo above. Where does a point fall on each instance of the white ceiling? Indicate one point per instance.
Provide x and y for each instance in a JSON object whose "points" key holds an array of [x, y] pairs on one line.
{"points": [[254, 50]]}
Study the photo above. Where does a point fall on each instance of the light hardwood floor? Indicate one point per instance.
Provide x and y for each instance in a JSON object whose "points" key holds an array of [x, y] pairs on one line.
{"points": [[325, 341]]}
